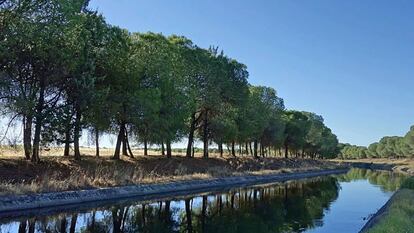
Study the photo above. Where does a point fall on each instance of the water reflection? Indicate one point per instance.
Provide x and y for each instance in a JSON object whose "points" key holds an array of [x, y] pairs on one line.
{"points": [[387, 181], [289, 207]]}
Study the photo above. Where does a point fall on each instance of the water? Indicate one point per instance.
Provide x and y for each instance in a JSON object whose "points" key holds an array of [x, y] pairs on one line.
{"points": [[341, 203]]}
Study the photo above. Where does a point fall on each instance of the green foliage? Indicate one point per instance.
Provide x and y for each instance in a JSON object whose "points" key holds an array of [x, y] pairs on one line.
{"points": [[387, 147], [64, 70], [408, 183], [348, 151], [386, 180]]}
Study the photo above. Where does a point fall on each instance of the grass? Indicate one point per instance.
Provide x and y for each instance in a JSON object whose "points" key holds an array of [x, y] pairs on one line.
{"points": [[399, 215], [58, 173], [408, 184]]}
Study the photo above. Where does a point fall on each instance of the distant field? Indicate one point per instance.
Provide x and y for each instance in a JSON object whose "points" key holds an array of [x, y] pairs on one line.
{"points": [[58, 151]]}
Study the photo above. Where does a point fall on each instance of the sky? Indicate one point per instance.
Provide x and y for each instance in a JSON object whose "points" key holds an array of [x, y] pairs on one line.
{"points": [[350, 61]]}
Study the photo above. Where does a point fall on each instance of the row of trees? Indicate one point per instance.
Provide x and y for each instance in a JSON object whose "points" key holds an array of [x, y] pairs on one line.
{"points": [[387, 147], [64, 70]]}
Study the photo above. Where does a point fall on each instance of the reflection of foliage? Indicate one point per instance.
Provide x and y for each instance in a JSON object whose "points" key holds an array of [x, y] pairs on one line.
{"points": [[283, 208], [388, 181], [288, 207]]}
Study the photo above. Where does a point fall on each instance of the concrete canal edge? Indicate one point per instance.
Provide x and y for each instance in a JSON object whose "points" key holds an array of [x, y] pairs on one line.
{"points": [[18, 203]]}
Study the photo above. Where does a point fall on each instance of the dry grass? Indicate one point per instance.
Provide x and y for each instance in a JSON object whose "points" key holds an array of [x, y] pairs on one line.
{"points": [[58, 173]]}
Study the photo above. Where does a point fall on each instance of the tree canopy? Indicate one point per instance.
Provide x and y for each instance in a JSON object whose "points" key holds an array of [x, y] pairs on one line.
{"points": [[65, 71], [387, 147]]}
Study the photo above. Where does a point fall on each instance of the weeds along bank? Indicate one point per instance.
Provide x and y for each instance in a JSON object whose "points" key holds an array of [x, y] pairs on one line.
{"points": [[18, 176]]}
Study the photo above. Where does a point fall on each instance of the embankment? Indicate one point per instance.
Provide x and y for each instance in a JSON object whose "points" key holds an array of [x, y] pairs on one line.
{"points": [[397, 215], [11, 204]]}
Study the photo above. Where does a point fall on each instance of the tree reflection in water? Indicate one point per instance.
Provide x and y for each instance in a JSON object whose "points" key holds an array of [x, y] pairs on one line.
{"points": [[289, 207]]}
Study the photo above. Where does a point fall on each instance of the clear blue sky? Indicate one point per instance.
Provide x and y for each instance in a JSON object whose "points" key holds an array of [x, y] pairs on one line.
{"points": [[350, 61]]}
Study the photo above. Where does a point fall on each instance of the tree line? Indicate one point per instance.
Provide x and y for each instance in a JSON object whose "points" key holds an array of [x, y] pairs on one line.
{"points": [[387, 147], [64, 70]]}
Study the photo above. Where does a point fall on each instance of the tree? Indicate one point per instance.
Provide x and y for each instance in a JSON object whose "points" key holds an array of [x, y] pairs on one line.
{"points": [[215, 80], [36, 32], [86, 34], [123, 82], [296, 129], [163, 101], [263, 107]]}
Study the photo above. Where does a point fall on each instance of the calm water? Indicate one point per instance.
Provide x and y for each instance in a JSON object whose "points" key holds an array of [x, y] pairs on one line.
{"points": [[339, 203]]}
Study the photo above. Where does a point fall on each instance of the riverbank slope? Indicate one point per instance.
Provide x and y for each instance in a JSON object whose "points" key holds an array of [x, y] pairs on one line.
{"points": [[397, 215], [57, 173], [16, 204]]}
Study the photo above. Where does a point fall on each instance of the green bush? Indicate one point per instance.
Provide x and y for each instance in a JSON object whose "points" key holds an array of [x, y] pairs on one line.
{"points": [[408, 183]]}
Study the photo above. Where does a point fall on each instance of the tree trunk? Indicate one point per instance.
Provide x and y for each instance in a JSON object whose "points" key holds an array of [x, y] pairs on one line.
{"points": [[67, 142], [247, 149], [27, 135], [167, 211], [63, 225], [124, 147], [77, 134], [38, 122], [144, 222], [73, 223], [205, 134], [124, 219], [191, 136], [250, 146], [286, 150], [162, 149], [220, 147], [188, 216], [261, 149], [116, 220], [93, 220], [119, 141], [255, 148], [169, 154], [97, 142], [22, 226], [240, 149], [203, 213], [124, 143], [127, 143], [233, 151], [145, 147], [32, 224]]}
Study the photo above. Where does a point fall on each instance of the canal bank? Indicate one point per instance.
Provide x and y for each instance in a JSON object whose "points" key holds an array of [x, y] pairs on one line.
{"points": [[13, 204], [329, 203], [397, 214]]}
